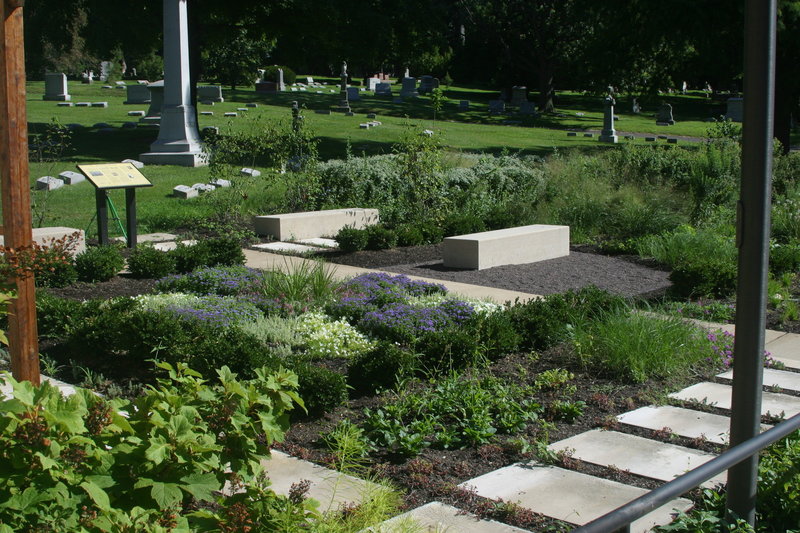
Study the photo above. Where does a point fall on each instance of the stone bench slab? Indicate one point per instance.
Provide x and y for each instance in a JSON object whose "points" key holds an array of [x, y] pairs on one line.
{"points": [[313, 224], [511, 246]]}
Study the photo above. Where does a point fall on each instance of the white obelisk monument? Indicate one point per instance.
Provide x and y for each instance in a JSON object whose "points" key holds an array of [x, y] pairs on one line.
{"points": [[178, 140]]}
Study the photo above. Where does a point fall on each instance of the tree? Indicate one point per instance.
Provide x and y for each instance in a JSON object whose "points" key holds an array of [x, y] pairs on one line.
{"points": [[236, 61]]}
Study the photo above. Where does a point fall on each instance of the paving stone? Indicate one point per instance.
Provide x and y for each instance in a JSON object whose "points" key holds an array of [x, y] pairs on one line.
{"points": [[570, 496], [319, 241], [436, 517], [774, 378], [171, 245], [152, 237], [286, 247], [785, 349], [684, 422], [330, 488], [645, 457], [719, 395]]}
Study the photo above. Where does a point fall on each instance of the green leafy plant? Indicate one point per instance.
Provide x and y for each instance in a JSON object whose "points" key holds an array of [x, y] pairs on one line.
{"points": [[145, 261], [352, 239], [99, 263], [77, 464]]}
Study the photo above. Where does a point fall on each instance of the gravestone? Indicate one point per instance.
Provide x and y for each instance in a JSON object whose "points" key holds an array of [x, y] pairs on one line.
{"points": [[210, 93], [735, 110], [383, 89], [55, 87], [635, 107], [182, 191], [137, 94], [664, 115], [463, 105], [409, 88], [609, 134], [344, 103], [105, 69], [156, 90], [497, 107], [99, 104], [49, 183], [427, 84], [528, 108], [71, 178], [134, 162], [519, 94], [87, 77], [353, 94], [372, 83]]}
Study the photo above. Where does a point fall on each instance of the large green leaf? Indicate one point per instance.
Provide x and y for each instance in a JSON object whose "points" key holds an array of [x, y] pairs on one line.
{"points": [[166, 494], [201, 486], [158, 451], [98, 495]]}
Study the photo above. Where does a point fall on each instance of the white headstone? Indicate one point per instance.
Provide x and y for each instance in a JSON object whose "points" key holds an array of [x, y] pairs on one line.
{"points": [[55, 87], [137, 94], [372, 83], [253, 173], [49, 183], [182, 191]]}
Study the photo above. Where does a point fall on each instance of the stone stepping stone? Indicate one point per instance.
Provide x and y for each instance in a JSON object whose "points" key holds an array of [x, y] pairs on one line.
{"points": [[644, 457], [567, 495], [171, 245], [286, 247], [785, 348], [774, 378], [319, 241], [329, 487], [436, 517], [684, 422], [719, 395]]}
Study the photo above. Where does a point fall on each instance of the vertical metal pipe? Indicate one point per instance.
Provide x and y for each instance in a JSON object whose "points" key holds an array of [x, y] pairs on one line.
{"points": [[753, 241]]}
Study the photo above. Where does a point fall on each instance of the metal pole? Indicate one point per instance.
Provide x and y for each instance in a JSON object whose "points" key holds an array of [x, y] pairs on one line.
{"points": [[753, 240], [15, 186]]}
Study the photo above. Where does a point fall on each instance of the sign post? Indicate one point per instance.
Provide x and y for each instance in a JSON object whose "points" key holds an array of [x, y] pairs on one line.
{"points": [[115, 176], [15, 187]]}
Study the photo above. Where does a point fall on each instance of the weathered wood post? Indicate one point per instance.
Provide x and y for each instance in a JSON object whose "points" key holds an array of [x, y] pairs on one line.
{"points": [[15, 188]]}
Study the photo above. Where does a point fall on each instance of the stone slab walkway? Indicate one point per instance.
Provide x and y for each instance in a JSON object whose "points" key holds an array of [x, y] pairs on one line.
{"points": [[566, 495], [719, 395], [436, 517], [644, 457], [774, 378]]}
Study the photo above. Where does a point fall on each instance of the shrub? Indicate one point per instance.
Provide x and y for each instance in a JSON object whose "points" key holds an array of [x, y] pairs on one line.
{"points": [[380, 368], [463, 224], [548, 321], [190, 257], [173, 449], [51, 264], [710, 276], [352, 239], [326, 338], [322, 390], [409, 235], [145, 261], [380, 238], [271, 74], [784, 257], [218, 251], [99, 263], [56, 316]]}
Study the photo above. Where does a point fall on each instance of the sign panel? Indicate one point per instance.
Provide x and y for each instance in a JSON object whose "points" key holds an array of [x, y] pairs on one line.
{"points": [[114, 176]]}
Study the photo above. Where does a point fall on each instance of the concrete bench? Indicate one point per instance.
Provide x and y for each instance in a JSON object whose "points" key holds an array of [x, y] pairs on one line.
{"points": [[46, 236], [512, 246], [313, 224]]}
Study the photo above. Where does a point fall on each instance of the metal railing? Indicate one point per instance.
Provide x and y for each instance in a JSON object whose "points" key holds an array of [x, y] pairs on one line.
{"points": [[619, 520]]}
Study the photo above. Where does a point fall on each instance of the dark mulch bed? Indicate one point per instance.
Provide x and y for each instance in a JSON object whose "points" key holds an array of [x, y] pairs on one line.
{"points": [[626, 275]]}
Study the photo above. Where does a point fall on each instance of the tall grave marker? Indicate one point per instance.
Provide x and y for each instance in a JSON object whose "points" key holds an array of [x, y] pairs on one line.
{"points": [[609, 134], [178, 140]]}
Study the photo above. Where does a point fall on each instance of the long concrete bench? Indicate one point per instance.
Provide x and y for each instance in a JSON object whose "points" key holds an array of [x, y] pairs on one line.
{"points": [[46, 236], [512, 246], [313, 224]]}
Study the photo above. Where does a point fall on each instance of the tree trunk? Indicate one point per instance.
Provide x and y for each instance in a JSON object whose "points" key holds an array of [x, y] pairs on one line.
{"points": [[546, 88]]}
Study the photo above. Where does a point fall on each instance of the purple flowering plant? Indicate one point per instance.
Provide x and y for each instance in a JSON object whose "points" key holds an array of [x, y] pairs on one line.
{"points": [[377, 290], [223, 281], [216, 311], [405, 323], [722, 348]]}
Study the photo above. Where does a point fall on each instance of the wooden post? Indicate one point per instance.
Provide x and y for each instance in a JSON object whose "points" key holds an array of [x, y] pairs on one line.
{"points": [[15, 187]]}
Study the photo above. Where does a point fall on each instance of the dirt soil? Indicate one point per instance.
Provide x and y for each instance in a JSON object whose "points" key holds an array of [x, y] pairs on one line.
{"points": [[626, 275]]}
